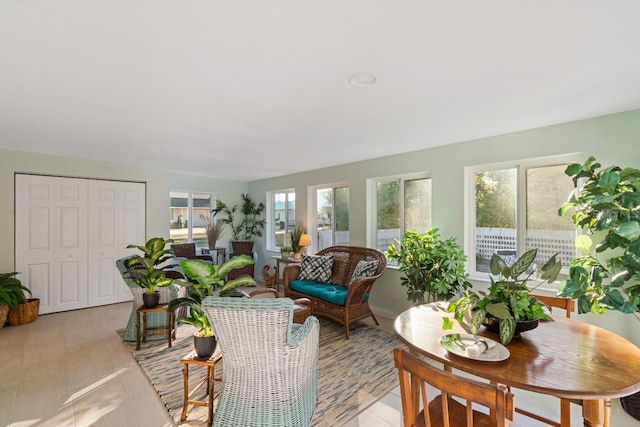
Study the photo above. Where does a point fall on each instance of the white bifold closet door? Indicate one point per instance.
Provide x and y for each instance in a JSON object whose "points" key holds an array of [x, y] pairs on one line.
{"points": [[69, 233]]}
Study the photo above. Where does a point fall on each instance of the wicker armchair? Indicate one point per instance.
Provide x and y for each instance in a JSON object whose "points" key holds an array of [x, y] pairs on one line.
{"points": [[188, 251], [345, 259], [153, 319], [270, 365]]}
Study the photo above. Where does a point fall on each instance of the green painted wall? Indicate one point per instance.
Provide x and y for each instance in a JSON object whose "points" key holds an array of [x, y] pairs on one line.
{"points": [[613, 139], [159, 183]]}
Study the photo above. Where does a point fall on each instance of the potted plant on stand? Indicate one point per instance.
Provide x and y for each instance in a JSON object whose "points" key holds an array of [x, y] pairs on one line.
{"points": [[508, 308], [251, 225], [430, 266], [606, 207], [203, 280], [148, 271], [12, 296]]}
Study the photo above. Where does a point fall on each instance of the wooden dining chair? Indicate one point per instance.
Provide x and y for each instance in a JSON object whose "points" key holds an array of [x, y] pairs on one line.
{"points": [[443, 410], [568, 305]]}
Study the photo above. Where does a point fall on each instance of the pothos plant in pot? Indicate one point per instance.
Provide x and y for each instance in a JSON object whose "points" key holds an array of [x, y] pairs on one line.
{"points": [[148, 271], [203, 280], [431, 266], [508, 308]]}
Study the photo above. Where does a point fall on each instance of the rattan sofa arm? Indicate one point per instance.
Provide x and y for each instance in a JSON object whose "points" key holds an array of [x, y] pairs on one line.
{"points": [[289, 274]]}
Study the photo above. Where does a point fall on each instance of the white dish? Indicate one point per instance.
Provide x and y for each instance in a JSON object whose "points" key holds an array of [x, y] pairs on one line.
{"points": [[456, 344]]}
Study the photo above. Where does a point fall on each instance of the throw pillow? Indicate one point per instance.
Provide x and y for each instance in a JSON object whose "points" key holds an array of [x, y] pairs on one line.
{"points": [[316, 268], [364, 269]]}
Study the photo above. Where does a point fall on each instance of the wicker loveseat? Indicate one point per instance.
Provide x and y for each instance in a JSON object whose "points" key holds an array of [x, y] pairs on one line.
{"points": [[342, 298]]}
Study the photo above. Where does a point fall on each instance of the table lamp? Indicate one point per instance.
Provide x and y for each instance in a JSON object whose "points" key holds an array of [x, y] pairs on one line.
{"points": [[305, 240]]}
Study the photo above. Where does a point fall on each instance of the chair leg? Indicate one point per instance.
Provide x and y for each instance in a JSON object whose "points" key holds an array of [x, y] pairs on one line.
{"points": [[565, 413]]}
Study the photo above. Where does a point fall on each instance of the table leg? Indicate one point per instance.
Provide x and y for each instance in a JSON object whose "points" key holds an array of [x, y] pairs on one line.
{"points": [[144, 326], [170, 325], [138, 331], [596, 413], [210, 391], [185, 378]]}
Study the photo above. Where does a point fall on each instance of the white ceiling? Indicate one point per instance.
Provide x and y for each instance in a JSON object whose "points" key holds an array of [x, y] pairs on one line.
{"points": [[252, 89]]}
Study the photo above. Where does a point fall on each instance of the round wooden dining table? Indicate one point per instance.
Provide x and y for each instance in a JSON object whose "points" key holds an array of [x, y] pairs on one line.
{"points": [[564, 358]]}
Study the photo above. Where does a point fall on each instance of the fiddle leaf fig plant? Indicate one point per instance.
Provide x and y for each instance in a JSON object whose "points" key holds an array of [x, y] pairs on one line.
{"points": [[430, 265], [606, 207]]}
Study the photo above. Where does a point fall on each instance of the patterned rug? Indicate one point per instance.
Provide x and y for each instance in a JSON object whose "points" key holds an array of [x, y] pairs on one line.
{"points": [[352, 374]]}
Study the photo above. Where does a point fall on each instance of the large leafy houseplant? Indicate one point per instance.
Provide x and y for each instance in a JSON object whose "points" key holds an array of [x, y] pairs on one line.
{"points": [[509, 299], [430, 265], [252, 221], [12, 291], [203, 279], [147, 271], [606, 207]]}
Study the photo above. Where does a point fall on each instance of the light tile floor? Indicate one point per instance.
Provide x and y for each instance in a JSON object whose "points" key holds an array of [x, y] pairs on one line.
{"points": [[71, 369]]}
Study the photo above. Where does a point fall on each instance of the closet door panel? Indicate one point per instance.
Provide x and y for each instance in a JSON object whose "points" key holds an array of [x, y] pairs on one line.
{"points": [[103, 244], [132, 220], [70, 289], [34, 247]]}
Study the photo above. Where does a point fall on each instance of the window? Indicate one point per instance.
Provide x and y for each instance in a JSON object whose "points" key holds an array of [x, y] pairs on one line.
{"points": [[397, 204], [331, 207], [281, 218], [188, 215], [514, 208]]}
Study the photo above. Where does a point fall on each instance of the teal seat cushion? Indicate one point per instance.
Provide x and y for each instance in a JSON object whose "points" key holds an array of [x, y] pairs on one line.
{"points": [[335, 294]]}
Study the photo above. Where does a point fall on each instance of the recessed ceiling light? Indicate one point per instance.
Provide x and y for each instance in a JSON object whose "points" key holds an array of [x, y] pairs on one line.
{"points": [[363, 79]]}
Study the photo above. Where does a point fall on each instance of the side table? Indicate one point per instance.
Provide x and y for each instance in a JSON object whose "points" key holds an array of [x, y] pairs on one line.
{"points": [[210, 364], [142, 331], [220, 254], [279, 259]]}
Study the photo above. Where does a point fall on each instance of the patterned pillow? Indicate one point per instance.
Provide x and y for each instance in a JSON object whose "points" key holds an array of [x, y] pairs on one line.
{"points": [[316, 268], [364, 269]]}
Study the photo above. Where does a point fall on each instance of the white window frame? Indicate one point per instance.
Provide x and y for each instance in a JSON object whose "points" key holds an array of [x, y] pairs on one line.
{"points": [[372, 204], [271, 205], [312, 198], [190, 208], [521, 167]]}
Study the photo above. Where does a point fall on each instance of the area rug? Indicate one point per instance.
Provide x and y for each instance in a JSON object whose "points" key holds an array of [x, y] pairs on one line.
{"points": [[352, 374]]}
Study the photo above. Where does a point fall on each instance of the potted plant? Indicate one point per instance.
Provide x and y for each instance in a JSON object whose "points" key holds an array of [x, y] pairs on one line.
{"points": [[12, 295], [203, 279], [295, 234], [148, 271], [214, 230], [430, 265], [251, 225], [285, 251], [509, 307], [606, 276]]}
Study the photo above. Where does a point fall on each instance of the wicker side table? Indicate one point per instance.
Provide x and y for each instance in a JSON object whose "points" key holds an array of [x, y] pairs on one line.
{"points": [[210, 364]]}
